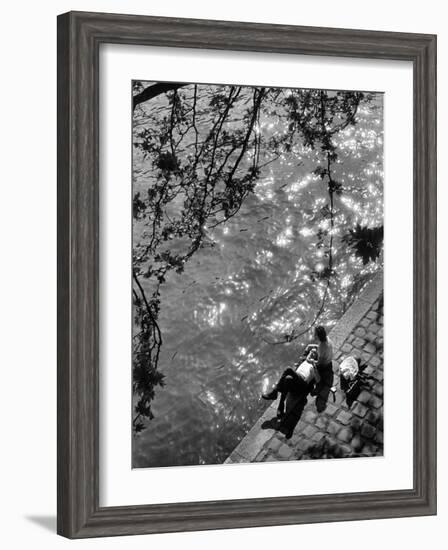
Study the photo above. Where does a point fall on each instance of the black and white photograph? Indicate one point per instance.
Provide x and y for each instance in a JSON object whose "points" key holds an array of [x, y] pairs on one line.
{"points": [[257, 274], [223, 274]]}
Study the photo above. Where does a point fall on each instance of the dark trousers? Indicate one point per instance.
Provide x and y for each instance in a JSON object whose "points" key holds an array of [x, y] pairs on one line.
{"points": [[326, 374], [291, 382]]}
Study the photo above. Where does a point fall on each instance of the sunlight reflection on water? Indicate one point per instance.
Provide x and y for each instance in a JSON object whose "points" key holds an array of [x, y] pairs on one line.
{"points": [[252, 287]]}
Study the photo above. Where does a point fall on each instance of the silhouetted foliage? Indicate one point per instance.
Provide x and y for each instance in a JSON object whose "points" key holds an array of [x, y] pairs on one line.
{"points": [[205, 151], [366, 242]]}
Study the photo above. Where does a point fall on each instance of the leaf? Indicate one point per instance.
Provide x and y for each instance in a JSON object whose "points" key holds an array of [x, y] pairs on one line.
{"points": [[366, 242]]}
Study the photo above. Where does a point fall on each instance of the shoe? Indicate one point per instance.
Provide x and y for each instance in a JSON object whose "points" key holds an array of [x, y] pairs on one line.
{"points": [[271, 396]]}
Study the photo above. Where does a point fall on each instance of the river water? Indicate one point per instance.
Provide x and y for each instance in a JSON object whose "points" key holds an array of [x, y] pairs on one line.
{"points": [[220, 319]]}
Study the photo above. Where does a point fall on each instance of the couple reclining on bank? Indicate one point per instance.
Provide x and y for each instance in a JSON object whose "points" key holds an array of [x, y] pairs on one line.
{"points": [[317, 360]]}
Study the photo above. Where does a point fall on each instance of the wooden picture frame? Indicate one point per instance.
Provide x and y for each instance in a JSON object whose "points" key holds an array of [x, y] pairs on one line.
{"points": [[79, 38]]}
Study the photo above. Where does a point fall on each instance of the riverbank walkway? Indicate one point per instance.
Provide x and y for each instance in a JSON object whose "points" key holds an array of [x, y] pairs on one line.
{"points": [[332, 425]]}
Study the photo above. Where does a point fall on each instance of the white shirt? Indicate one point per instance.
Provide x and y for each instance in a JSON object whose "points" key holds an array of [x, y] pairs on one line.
{"points": [[306, 371]]}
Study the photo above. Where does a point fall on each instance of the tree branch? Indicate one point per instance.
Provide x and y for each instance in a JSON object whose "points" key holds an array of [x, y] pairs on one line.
{"points": [[154, 90]]}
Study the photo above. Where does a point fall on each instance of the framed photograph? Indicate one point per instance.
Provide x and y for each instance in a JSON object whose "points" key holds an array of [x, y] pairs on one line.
{"points": [[246, 274]]}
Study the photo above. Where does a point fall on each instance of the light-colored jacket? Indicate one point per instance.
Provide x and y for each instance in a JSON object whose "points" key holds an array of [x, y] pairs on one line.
{"points": [[307, 371]]}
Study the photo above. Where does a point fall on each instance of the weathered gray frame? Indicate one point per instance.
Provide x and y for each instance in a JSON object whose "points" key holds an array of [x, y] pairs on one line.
{"points": [[79, 37]]}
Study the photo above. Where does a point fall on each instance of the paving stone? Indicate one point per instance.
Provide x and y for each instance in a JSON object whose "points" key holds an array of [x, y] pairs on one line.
{"points": [[274, 444], [309, 431], [347, 348], [360, 410], [321, 423], [331, 409], [333, 428], [369, 449], [268, 457], [370, 348], [358, 343], [369, 370], [337, 450], [318, 436], [379, 437], [305, 444], [378, 389], [364, 397], [365, 357], [296, 436], [372, 315], [357, 443], [376, 402], [367, 431], [339, 398], [356, 424], [310, 416], [375, 361], [284, 452], [378, 375], [344, 417], [373, 417], [365, 322], [346, 451], [360, 331], [331, 441], [345, 435]]}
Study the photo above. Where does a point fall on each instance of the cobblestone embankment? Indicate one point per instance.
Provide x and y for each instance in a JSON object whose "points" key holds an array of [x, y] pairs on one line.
{"points": [[332, 424]]}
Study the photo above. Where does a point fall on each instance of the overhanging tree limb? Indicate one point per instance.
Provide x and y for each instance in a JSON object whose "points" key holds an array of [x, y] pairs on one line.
{"points": [[156, 89]]}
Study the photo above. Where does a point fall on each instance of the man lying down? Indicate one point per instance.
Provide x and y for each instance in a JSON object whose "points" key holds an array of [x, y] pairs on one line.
{"points": [[301, 381]]}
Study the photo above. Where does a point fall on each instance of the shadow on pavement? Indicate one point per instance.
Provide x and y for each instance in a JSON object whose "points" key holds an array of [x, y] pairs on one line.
{"points": [[293, 412]]}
